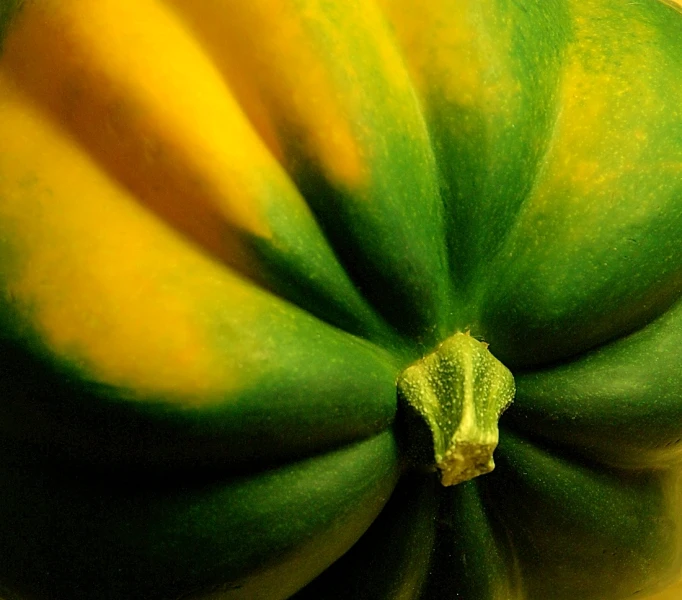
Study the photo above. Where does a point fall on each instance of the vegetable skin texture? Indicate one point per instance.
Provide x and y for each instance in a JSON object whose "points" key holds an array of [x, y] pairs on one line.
{"points": [[227, 228]]}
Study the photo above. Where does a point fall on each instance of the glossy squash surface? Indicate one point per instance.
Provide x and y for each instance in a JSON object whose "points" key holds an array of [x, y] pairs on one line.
{"points": [[226, 229]]}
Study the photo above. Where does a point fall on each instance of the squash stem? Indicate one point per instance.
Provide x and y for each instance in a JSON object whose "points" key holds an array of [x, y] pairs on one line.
{"points": [[459, 390]]}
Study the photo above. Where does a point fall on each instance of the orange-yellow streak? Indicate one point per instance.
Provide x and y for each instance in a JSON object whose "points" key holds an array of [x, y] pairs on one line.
{"points": [[276, 59], [127, 79], [105, 284]]}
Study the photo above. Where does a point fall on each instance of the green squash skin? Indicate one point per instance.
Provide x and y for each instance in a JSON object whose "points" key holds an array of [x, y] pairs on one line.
{"points": [[266, 533], [8, 10], [549, 231], [316, 391], [618, 403], [409, 521], [626, 521], [538, 283]]}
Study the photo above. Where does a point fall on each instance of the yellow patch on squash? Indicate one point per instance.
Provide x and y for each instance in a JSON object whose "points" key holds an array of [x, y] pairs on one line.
{"points": [[103, 282], [454, 54], [596, 139], [129, 81], [268, 52]]}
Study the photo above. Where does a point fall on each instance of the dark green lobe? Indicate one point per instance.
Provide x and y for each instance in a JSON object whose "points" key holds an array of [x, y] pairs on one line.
{"points": [[262, 535], [394, 558], [489, 151], [580, 530], [619, 404], [473, 557]]}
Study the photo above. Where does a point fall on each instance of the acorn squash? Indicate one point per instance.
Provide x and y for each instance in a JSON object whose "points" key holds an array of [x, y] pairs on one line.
{"points": [[340, 299]]}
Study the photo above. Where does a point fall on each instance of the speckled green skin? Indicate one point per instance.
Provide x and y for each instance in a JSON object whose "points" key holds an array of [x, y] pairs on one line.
{"points": [[548, 223], [459, 391]]}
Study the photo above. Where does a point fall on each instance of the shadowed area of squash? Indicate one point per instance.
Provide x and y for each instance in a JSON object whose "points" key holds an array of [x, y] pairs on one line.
{"points": [[266, 267]]}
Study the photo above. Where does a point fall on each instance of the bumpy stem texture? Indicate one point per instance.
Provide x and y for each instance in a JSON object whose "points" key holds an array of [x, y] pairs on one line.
{"points": [[460, 390]]}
